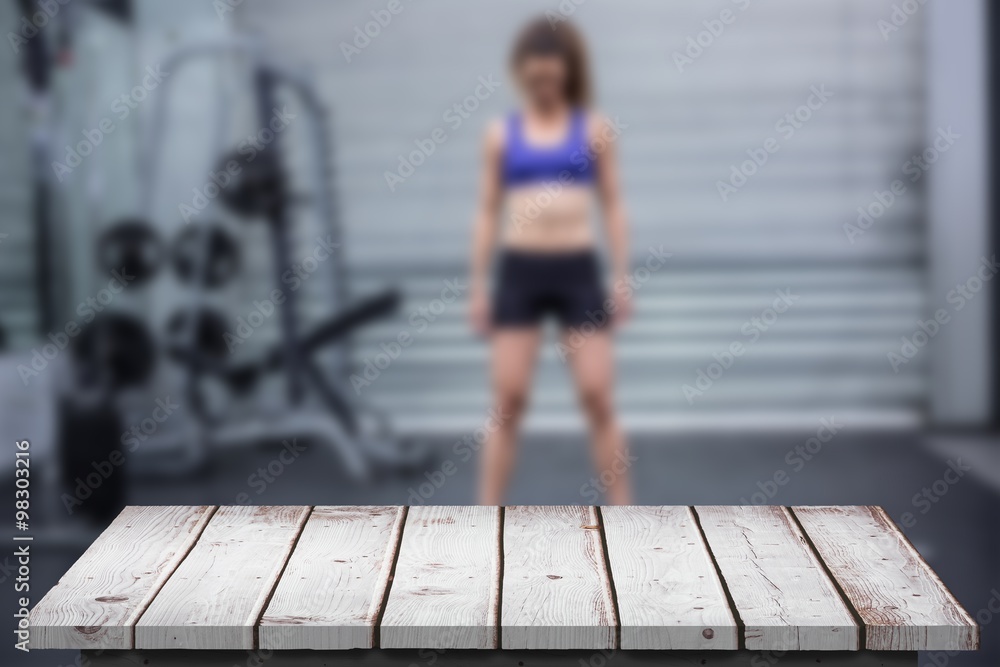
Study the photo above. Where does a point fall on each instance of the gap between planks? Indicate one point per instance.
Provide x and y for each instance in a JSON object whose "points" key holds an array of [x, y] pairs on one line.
{"points": [[165, 625], [615, 611], [607, 573], [446, 589], [332, 593], [499, 583], [741, 641], [500, 570], [903, 602], [783, 596], [862, 629], [153, 540], [281, 573], [377, 630], [208, 519]]}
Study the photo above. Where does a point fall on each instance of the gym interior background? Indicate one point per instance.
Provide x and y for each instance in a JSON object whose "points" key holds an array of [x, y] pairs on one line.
{"points": [[177, 330]]}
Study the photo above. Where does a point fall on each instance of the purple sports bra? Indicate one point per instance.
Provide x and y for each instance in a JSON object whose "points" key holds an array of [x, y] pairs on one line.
{"points": [[570, 161]]}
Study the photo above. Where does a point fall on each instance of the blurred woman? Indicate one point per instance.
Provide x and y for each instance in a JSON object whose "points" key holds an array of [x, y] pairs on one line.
{"points": [[544, 167]]}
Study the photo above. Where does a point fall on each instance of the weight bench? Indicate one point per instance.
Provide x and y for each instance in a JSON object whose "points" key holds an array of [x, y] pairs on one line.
{"points": [[506, 587]]}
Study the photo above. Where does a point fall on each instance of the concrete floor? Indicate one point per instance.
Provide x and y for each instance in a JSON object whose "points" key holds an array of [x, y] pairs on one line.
{"points": [[957, 530]]}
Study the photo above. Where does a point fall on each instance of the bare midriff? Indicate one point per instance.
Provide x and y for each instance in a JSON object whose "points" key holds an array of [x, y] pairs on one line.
{"points": [[548, 220]]}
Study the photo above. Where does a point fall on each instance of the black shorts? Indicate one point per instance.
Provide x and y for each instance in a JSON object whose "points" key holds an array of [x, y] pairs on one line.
{"points": [[531, 285]]}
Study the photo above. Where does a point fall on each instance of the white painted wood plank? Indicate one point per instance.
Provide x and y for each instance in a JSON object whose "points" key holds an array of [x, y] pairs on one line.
{"points": [[902, 602], [333, 587], [215, 597], [96, 603], [445, 590], [556, 591], [668, 591], [779, 588]]}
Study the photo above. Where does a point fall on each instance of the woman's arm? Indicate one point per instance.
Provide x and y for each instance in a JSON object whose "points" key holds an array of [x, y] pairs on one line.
{"points": [[484, 231], [603, 138]]}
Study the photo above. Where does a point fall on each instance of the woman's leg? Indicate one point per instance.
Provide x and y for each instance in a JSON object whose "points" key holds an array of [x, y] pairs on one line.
{"points": [[592, 361], [514, 354]]}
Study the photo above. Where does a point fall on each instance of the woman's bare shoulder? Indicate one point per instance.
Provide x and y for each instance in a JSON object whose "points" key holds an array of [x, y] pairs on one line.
{"points": [[496, 129], [597, 123]]}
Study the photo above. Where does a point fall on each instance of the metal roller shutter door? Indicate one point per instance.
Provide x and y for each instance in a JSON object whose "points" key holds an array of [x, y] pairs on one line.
{"points": [[782, 231]]}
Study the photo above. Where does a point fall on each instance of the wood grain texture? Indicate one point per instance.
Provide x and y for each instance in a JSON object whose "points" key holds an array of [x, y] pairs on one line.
{"points": [[779, 588], [556, 590], [445, 590], [215, 597], [523, 578], [668, 591], [332, 590], [96, 603], [903, 604]]}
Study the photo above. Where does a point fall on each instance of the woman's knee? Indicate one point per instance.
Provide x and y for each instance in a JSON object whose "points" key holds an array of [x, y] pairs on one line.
{"points": [[598, 404], [511, 404]]}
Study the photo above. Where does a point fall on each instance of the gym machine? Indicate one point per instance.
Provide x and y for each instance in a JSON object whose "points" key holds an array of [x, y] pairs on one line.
{"points": [[317, 407]]}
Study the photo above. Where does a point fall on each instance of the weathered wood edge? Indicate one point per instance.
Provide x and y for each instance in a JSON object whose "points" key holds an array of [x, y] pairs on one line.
{"points": [[877, 509], [127, 629], [880, 515]]}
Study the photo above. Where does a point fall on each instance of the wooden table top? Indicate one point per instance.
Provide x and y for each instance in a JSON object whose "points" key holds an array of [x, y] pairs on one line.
{"points": [[523, 577]]}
